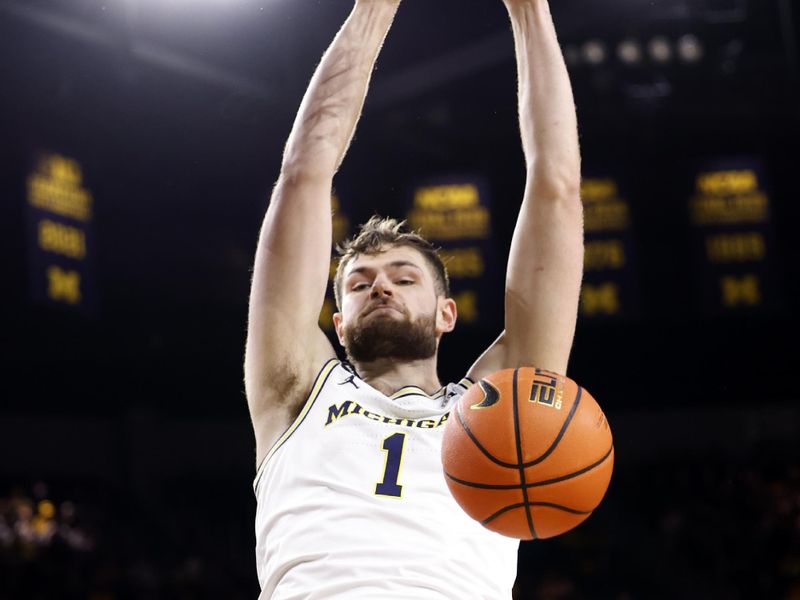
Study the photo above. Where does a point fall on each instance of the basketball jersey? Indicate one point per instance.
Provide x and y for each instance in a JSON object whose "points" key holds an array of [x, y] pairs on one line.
{"points": [[352, 502]]}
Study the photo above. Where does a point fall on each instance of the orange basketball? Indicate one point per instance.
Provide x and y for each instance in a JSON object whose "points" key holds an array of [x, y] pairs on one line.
{"points": [[527, 453]]}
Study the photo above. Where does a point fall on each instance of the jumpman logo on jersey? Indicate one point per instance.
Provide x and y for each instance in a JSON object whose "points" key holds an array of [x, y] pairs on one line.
{"points": [[349, 380], [350, 369]]}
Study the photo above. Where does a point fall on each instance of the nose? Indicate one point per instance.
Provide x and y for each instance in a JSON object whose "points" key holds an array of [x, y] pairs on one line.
{"points": [[380, 287]]}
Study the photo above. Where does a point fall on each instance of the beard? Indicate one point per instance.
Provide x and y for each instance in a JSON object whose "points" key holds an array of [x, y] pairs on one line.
{"points": [[387, 337]]}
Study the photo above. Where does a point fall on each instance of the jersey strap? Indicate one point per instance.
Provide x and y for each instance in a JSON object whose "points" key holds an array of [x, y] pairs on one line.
{"points": [[319, 383]]}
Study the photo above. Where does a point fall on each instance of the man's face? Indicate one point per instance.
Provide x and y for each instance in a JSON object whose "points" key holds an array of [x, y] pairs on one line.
{"points": [[390, 307]]}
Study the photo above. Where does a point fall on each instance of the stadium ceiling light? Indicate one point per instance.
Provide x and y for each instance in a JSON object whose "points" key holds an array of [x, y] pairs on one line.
{"points": [[660, 49], [690, 49], [629, 51], [594, 52]]}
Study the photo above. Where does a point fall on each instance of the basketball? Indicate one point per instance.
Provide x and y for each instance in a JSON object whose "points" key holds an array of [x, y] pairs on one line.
{"points": [[527, 453]]}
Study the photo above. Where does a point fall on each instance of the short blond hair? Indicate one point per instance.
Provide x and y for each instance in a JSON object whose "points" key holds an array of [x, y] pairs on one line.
{"points": [[374, 236]]}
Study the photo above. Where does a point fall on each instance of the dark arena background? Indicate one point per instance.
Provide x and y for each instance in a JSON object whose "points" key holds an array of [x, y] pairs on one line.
{"points": [[139, 143]]}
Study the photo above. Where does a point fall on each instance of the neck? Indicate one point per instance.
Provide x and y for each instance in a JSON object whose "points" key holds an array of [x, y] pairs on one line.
{"points": [[388, 375]]}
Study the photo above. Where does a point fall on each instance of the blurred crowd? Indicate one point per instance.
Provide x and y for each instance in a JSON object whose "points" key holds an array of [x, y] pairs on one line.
{"points": [[39, 535], [692, 529], [702, 528], [30, 522], [110, 545]]}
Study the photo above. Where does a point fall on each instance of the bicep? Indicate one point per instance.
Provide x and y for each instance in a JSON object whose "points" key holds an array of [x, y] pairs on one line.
{"points": [[492, 360], [290, 276], [543, 283]]}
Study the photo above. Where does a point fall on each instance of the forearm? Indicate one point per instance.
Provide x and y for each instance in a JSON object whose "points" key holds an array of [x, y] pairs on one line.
{"points": [[548, 122], [332, 105]]}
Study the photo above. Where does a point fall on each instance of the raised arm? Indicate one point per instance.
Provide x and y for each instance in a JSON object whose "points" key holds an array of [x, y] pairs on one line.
{"points": [[545, 265], [285, 347]]}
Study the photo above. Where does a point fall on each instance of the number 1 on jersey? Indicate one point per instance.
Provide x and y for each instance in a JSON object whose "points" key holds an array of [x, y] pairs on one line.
{"points": [[393, 446]]}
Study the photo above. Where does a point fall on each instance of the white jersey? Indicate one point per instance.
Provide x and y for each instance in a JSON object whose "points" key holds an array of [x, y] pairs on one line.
{"points": [[352, 503]]}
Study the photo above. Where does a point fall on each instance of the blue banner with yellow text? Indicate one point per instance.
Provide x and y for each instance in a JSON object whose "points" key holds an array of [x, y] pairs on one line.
{"points": [[732, 240], [610, 287], [454, 213], [60, 211]]}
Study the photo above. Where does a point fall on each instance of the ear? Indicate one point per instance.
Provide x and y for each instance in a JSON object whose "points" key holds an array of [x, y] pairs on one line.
{"points": [[337, 325], [446, 315]]}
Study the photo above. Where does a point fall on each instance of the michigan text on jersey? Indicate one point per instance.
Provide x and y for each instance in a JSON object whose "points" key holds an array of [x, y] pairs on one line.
{"points": [[348, 408]]}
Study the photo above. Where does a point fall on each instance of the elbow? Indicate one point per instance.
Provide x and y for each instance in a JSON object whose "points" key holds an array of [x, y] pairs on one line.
{"points": [[556, 179], [294, 174], [319, 165]]}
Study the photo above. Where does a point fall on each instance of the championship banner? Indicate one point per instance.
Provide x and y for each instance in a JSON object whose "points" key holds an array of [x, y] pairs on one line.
{"points": [[732, 238], [342, 226], [453, 213], [610, 288], [59, 218]]}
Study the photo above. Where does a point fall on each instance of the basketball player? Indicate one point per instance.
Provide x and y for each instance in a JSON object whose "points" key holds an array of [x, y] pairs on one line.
{"points": [[352, 502]]}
